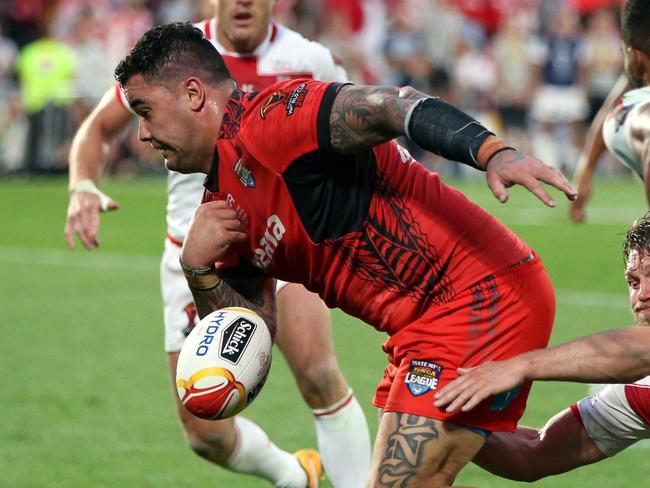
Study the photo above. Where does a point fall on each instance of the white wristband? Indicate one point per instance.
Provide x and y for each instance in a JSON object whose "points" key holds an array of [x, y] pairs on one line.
{"points": [[89, 186]]}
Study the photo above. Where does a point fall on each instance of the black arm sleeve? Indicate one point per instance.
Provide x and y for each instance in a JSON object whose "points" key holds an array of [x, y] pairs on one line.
{"points": [[446, 131]]}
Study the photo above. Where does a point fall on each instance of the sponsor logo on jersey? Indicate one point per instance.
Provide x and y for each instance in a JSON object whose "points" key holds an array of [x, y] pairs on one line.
{"points": [[273, 101], [296, 99], [235, 339], [422, 376], [269, 242], [244, 174]]}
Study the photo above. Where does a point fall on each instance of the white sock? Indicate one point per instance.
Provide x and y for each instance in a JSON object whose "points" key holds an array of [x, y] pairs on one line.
{"points": [[255, 454], [344, 442]]}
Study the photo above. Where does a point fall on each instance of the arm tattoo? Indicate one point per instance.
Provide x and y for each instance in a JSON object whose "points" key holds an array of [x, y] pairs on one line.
{"points": [[257, 294], [364, 116], [405, 451]]}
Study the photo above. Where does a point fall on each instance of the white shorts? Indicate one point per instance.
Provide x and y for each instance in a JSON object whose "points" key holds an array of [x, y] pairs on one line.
{"points": [[610, 421], [558, 104], [179, 312]]}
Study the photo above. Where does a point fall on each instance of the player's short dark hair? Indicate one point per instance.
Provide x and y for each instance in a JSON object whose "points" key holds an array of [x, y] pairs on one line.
{"points": [[635, 25], [638, 236], [168, 53]]}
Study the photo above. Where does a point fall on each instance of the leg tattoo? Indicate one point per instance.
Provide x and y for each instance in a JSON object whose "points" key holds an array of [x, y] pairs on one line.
{"points": [[405, 449]]}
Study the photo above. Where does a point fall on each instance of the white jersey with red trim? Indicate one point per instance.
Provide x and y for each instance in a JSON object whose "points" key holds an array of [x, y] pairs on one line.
{"points": [[617, 131], [283, 55], [618, 416]]}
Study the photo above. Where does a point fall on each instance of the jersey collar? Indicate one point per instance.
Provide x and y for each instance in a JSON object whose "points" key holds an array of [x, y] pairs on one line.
{"points": [[211, 182]]}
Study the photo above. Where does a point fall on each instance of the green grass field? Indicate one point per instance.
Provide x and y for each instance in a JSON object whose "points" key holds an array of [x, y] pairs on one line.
{"points": [[86, 400]]}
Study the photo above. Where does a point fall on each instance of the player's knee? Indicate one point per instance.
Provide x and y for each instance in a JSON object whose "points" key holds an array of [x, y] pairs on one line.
{"points": [[321, 384]]}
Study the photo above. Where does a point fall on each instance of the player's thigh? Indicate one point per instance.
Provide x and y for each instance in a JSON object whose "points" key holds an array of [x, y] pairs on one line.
{"points": [[416, 451], [220, 434], [304, 333]]}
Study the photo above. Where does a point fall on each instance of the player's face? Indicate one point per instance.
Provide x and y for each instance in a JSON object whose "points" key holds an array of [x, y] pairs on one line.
{"points": [[637, 276], [170, 126], [242, 25]]}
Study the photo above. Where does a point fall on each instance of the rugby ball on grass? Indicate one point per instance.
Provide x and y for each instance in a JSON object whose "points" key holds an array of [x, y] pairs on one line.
{"points": [[223, 363]]}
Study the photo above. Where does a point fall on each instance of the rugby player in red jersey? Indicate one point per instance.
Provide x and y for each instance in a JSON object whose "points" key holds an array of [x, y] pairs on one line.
{"points": [[305, 184], [258, 52]]}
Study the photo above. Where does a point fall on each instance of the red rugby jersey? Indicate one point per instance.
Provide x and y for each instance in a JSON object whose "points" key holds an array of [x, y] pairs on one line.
{"points": [[374, 233]]}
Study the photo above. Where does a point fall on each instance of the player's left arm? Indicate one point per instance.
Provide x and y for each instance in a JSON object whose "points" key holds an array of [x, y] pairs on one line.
{"points": [[614, 356], [530, 454], [214, 229], [365, 116], [640, 135]]}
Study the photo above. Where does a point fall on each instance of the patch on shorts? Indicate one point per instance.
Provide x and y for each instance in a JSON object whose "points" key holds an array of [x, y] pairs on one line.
{"points": [[422, 376]]}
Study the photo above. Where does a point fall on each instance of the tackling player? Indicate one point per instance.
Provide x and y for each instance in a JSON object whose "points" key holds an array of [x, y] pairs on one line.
{"points": [[625, 123], [305, 184], [258, 52], [594, 428]]}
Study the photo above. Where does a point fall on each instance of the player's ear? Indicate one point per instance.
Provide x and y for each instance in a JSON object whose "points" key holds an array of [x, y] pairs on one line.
{"points": [[195, 93], [638, 61]]}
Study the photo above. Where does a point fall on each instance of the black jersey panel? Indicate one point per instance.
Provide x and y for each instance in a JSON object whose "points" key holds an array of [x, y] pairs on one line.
{"points": [[332, 192]]}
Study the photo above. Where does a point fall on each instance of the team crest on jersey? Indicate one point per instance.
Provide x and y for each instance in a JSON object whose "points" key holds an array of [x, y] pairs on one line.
{"points": [[244, 174], [422, 376], [274, 100], [297, 98]]}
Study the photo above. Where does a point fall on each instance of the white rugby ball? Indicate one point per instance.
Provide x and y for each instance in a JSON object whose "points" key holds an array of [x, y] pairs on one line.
{"points": [[223, 363]]}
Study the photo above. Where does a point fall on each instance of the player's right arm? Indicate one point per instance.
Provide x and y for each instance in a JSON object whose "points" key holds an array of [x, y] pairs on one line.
{"points": [[364, 116], [616, 356], [592, 152], [530, 454], [87, 158], [214, 229]]}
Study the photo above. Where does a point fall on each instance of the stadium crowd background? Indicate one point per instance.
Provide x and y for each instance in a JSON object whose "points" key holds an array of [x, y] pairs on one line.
{"points": [[489, 57]]}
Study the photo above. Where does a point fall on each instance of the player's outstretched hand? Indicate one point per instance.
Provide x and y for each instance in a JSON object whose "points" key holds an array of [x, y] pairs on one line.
{"points": [[474, 385], [509, 168], [577, 211], [83, 217], [213, 229]]}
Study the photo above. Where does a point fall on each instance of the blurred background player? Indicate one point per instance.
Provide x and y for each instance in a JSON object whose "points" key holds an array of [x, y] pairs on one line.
{"points": [[258, 52], [623, 124], [559, 104], [595, 427]]}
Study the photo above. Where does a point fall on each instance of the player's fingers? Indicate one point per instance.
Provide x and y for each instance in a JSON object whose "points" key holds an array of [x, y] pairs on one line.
{"points": [[112, 205], [460, 401], [498, 189], [69, 234], [477, 398], [84, 229], [536, 188], [238, 236], [554, 177]]}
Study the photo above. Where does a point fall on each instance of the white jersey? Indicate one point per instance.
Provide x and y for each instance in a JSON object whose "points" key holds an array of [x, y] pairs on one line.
{"points": [[617, 128], [618, 416], [283, 55]]}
